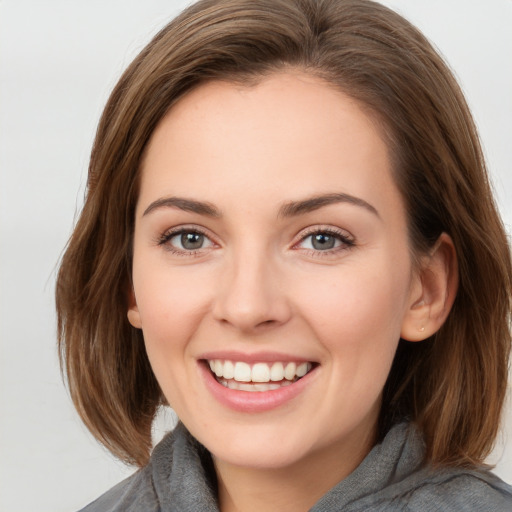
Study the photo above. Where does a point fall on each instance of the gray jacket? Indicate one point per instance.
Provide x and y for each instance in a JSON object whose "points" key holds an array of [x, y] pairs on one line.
{"points": [[180, 478]]}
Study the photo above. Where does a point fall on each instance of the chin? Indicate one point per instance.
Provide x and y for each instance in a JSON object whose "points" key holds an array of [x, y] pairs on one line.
{"points": [[258, 456]]}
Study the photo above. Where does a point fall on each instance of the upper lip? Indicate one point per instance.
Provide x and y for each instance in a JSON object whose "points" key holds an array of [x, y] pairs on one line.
{"points": [[255, 357]]}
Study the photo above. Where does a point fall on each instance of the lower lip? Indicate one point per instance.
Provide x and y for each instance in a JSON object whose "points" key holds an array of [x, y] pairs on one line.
{"points": [[253, 401]]}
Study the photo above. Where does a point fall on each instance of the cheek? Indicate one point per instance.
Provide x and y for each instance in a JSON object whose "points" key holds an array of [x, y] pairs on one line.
{"points": [[357, 310], [357, 320], [170, 304]]}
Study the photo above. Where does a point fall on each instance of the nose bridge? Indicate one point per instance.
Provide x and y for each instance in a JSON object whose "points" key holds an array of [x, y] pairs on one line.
{"points": [[250, 293]]}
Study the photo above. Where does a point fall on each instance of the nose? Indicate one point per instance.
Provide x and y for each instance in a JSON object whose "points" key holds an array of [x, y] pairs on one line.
{"points": [[252, 295]]}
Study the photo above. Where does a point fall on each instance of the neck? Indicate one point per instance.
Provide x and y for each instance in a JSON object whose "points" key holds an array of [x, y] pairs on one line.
{"points": [[296, 487]]}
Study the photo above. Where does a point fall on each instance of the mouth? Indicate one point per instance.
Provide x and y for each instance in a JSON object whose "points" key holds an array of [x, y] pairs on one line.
{"points": [[260, 376]]}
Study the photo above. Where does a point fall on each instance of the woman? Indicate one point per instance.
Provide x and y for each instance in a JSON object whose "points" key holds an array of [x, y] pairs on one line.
{"points": [[289, 238]]}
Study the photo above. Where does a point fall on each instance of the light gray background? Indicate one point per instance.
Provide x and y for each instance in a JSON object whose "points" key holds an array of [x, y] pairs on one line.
{"points": [[58, 62]]}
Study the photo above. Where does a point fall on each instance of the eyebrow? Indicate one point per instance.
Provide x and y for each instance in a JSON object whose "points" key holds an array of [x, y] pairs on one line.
{"points": [[293, 208], [289, 209], [188, 205]]}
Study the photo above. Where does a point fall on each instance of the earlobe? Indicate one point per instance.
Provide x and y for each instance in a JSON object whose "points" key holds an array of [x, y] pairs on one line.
{"points": [[433, 292], [133, 311]]}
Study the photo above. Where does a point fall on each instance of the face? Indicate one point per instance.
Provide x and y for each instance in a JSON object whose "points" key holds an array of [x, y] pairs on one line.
{"points": [[271, 270]]}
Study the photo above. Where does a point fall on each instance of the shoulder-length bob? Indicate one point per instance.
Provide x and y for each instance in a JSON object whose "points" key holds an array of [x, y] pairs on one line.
{"points": [[452, 385]]}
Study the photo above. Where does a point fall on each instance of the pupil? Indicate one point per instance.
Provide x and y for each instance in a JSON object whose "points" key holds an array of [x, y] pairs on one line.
{"points": [[323, 241], [192, 241]]}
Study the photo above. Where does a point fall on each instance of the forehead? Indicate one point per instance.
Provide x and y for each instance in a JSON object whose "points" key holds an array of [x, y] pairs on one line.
{"points": [[290, 131], [257, 108]]}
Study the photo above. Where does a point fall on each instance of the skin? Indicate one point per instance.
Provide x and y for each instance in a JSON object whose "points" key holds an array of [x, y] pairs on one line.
{"points": [[258, 285]]}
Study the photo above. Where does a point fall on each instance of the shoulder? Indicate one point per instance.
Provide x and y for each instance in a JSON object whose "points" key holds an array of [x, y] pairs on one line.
{"points": [[447, 490], [139, 491], [179, 476], [394, 478], [133, 494], [458, 490]]}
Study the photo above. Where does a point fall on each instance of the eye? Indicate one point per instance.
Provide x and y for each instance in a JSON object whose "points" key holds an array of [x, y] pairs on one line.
{"points": [[185, 241], [324, 240], [189, 241]]}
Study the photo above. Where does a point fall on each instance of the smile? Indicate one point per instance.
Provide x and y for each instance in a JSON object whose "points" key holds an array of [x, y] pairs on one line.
{"points": [[258, 377]]}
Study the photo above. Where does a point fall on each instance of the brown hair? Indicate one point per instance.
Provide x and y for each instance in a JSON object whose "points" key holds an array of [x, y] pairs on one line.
{"points": [[453, 385]]}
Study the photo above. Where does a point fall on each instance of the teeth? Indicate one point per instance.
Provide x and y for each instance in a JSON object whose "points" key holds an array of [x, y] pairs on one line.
{"points": [[242, 372], [302, 369], [289, 371], [277, 372], [229, 372], [260, 373], [219, 368]]}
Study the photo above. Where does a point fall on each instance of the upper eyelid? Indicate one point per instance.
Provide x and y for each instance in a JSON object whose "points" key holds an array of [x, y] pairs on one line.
{"points": [[187, 229], [346, 238], [169, 233], [311, 230]]}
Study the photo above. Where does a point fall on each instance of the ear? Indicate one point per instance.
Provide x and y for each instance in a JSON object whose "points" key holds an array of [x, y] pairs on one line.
{"points": [[432, 292], [133, 310]]}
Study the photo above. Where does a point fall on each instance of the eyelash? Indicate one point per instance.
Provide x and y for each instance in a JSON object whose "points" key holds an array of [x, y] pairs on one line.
{"points": [[169, 235], [345, 239]]}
